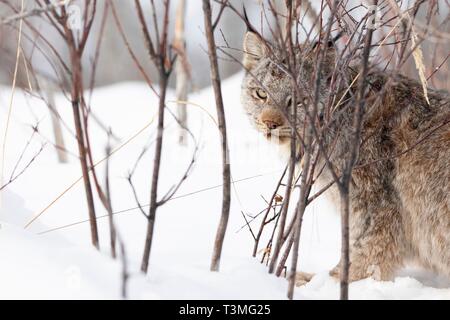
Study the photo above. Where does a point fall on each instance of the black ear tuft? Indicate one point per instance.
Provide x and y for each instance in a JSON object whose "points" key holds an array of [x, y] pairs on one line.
{"points": [[330, 42], [336, 38], [247, 21]]}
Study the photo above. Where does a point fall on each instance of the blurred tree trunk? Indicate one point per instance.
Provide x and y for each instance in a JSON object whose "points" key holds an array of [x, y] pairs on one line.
{"points": [[281, 12], [56, 122], [181, 70], [57, 131]]}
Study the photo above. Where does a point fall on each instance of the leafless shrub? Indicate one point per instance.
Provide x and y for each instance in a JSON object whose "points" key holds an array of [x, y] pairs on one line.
{"points": [[226, 176], [59, 18]]}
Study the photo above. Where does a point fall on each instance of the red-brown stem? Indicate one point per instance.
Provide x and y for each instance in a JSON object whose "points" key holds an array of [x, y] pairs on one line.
{"points": [[215, 78], [76, 97], [163, 82]]}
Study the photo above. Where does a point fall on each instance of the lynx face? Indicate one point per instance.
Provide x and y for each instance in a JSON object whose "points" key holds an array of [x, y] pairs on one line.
{"points": [[267, 87], [265, 92]]}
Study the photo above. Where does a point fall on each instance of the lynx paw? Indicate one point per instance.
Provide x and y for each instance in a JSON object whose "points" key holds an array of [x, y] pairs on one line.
{"points": [[358, 272], [302, 278]]}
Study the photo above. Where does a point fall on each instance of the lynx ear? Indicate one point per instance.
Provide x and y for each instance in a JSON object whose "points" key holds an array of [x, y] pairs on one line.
{"points": [[329, 61], [330, 55], [329, 64], [254, 49]]}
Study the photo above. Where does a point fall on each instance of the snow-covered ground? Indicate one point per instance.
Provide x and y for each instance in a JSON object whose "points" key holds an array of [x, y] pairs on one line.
{"points": [[39, 262]]}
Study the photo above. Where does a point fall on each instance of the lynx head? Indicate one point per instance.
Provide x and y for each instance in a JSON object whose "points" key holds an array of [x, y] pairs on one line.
{"points": [[266, 89]]}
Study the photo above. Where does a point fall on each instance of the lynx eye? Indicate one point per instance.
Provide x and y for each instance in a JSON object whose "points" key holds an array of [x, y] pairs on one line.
{"points": [[260, 93], [304, 102]]}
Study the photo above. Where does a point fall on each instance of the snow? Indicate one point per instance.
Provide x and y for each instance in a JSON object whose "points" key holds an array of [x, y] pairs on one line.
{"points": [[61, 264]]}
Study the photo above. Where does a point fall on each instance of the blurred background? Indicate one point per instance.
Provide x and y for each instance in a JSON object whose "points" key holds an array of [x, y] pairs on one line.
{"points": [[116, 65]]}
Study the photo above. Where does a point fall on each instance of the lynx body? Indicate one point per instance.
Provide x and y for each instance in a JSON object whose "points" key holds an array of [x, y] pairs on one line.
{"points": [[400, 200]]}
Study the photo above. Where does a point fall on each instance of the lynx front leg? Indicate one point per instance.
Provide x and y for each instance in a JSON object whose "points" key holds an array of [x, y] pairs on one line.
{"points": [[365, 264], [302, 278], [375, 245]]}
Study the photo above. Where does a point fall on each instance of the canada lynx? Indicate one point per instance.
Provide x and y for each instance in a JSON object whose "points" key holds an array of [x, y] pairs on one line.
{"points": [[400, 201]]}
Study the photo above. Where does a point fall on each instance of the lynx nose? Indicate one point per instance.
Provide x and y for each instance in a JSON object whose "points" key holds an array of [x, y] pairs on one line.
{"points": [[271, 124]]}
